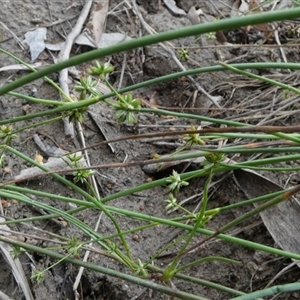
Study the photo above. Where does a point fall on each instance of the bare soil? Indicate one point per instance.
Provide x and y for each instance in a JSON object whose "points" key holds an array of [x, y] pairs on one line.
{"points": [[256, 268]]}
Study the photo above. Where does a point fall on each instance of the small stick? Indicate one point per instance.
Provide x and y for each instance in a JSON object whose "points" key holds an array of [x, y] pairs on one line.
{"points": [[64, 55]]}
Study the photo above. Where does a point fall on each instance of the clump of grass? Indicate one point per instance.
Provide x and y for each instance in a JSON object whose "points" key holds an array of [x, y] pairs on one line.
{"points": [[215, 161]]}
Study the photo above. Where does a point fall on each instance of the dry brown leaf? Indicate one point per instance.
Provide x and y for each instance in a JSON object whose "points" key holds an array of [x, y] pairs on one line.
{"points": [[235, 8], [5, 203], [280, 220], [106, 39], [193, 16], [171, 5], [255, 8], [242, 7], [14, 262], [221, 37], [97, 22]]}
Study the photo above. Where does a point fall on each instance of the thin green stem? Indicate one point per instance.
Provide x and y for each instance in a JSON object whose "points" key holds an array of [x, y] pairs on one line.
{"points": [[97, 202], [280, 198], [142, 282], [176, 224], [202, 282], [37, 124], [47, 79], [76, 105], [36, 100], [154, 39], [200, 216], [120, 97], [277, 289], [206, 259], [224, 237], [261, 78]]}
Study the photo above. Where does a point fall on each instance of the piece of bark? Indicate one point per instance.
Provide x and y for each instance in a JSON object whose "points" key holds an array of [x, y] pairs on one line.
{"points": [[281, 220]]}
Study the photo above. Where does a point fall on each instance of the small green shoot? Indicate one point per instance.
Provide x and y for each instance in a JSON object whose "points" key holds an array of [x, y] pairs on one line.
{"points": [[210, 36], [183, 54], [175, 182], [125, 109], [87, 87], [38, 276], [6, 134], [193, 139], [170, 270], [79, 175], [140, 270], [74, 246], [213, 160], [101, 70], [171, 202], [76, 114], [17, 251]]}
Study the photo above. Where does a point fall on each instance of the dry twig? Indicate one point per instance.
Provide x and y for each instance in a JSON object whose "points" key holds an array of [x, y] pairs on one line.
{"points": [[64, 55]]}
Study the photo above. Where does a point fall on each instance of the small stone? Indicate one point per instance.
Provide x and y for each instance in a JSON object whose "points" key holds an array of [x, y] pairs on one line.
{"points": [[135, 237]]}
